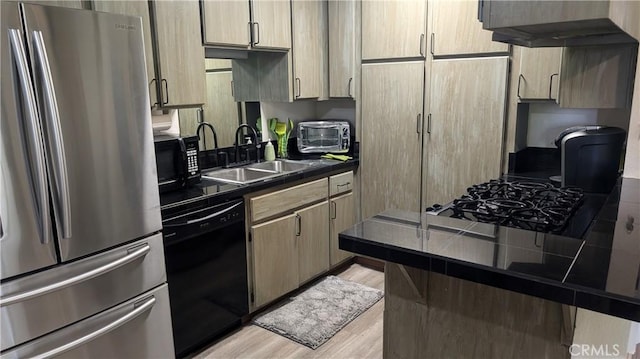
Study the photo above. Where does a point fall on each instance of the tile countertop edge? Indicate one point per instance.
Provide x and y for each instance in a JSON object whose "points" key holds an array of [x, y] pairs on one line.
{"points": [[587, 298], [235, 191]]}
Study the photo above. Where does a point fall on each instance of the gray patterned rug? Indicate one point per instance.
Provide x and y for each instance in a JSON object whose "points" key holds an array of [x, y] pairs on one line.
{"points": [[319, 312]]}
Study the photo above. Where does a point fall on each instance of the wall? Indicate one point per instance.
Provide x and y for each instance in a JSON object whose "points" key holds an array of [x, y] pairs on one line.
{"points": [[632, 160], [547, 120]]}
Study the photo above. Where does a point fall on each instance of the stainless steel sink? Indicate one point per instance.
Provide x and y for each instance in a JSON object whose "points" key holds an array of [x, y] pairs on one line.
{"points": [[240, 175], [259, 171], [280, 166]]}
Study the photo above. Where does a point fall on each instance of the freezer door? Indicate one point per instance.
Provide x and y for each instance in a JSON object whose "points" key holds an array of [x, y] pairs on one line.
{"points": [[25, 230], [91, 87], [139, 328], [43, 302]]}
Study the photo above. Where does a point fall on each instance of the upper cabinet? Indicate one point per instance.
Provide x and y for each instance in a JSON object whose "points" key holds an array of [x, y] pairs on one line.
{"points": [[179, 53], [539, 74], [342, 48], [393, 29], [286, 76], [74, 4], [309, 47], [260, 24], [135, 8], [598, 76], [455, 30], [578, 77]]}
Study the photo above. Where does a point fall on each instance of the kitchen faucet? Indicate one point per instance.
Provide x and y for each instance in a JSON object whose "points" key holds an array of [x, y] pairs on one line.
{"points": [[202, 125], [255, 141]]}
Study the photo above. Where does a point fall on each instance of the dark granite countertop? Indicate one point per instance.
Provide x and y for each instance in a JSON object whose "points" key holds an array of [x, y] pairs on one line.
{"points": [[209, 192], [600, 272]]}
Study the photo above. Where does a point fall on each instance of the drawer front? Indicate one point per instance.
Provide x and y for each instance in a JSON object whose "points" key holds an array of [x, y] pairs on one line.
{"points": [[119, 274], [285, 200], [341, 183]]}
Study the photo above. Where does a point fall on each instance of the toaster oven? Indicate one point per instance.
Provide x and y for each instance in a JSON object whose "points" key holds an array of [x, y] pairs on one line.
{"points": [[324, 136]]}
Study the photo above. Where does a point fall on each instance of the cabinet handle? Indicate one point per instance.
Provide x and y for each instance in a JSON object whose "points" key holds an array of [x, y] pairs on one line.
{"points": [[421, 45], [520, 78], [419, 123], [343, 184], [480, 8], [429, 124], [298, 225], [232, 95], [298, 83], [166, 90], [551, 85], [257, 33], [349, 87], [433, 38], [334, 209], [155, 89], [250, 24]]}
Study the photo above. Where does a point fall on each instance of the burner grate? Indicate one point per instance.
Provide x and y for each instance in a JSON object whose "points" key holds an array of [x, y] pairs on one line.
{"points": [[527, 205]]}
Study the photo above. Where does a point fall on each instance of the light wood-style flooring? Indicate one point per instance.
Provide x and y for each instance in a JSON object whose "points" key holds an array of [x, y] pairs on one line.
{"points": [[362, 338]]}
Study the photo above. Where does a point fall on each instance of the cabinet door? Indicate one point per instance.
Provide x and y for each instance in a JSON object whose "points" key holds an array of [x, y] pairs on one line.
{"points": [[342, 19], [226, 23], [179, 53], [343, 216], [275, 259], [539, 70], [272, 24], [313, 240], [597, 76], [456, 29], [135, 8], [309, 35], [466, 126], [393, 29], [73, 4], [392, 136]]}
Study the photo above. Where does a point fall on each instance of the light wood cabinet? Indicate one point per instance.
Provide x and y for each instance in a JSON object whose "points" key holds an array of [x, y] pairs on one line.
{"points": [[598, 76], [179, 53], [226, 23], [135, 8], [313, 241], [393, 29], [73, 4], [309, 47], [456, 30], [275, 259], [247, 24], [539, 73], [466, 125], [392, 102], [342, 48], [343, 216]]}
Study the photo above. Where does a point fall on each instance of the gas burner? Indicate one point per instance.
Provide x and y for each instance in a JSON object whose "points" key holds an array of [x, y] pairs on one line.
{"points": [[527, 205]]}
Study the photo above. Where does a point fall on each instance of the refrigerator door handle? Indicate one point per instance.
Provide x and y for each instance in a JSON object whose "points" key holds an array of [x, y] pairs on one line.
{"points": [[56, 147], [34, 138], [133, 254], [138, 309]]}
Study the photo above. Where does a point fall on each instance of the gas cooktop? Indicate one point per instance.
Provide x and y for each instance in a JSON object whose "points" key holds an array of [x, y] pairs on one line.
{"points": [[530, 205]]}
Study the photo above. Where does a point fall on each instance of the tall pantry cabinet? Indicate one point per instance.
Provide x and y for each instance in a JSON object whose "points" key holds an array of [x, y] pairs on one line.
{"points": [[391, 101]]}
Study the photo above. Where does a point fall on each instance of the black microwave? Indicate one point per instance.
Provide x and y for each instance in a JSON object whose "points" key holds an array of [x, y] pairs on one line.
{"points": [[177, 162]]}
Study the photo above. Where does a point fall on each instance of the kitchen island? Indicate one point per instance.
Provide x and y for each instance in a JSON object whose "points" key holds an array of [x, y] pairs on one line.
{"points": [[459, 288]]}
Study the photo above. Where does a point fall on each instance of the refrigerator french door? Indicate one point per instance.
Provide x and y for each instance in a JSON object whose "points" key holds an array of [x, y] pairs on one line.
{"points": [[78, 183]]}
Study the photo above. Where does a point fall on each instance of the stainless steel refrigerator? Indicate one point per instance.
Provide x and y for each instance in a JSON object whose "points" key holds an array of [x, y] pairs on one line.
{"points": [[82, 268]]}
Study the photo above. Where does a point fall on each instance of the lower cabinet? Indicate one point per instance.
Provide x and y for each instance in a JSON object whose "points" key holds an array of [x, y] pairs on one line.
{"points": [[275, 259], [343, 216], [313, 241]]}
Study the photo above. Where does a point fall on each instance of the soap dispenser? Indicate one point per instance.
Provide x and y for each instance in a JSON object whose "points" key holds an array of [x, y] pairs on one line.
{"points": [[269, 152]]}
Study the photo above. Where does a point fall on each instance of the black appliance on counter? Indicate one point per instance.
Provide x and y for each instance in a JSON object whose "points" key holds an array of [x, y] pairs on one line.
{"points": [[526, 204], [590, 157], [176, 161], [206, 261]]}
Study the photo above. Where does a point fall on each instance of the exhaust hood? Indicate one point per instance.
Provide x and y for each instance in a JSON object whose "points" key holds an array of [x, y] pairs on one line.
{"points": [[561, 23]]}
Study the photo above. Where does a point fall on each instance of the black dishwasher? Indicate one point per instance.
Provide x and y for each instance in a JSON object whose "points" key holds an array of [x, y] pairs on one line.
{"points": [[206, 260]]}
